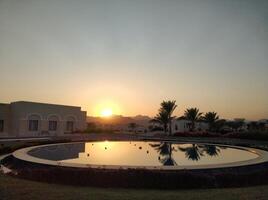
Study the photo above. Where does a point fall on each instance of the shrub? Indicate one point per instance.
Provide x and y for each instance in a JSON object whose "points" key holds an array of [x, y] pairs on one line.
{"points": [[251, 135], [196, 134], [255, 135]]}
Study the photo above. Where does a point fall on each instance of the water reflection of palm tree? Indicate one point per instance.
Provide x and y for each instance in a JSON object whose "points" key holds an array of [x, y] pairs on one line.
{"points": [[211, 150], [165, 150], [195, 152], [192, 152]]}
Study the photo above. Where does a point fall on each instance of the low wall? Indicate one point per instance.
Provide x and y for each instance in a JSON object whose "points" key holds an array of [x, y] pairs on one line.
{"points": [[141, 178]]}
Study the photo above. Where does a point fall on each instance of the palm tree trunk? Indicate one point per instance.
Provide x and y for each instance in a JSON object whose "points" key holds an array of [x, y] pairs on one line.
{"points": [[193, 125], [170, 128], [165, 128], [210, 127]]}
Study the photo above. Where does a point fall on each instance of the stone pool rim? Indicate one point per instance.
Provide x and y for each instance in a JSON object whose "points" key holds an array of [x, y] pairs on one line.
{"points": [[22, 154]]}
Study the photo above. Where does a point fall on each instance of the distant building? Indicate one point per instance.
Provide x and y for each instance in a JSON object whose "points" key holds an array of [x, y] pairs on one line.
{"points": [[30, 119], [182, 125]]}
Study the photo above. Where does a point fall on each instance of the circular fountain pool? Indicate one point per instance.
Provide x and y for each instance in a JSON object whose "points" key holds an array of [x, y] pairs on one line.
{"points": [[141, 154]]}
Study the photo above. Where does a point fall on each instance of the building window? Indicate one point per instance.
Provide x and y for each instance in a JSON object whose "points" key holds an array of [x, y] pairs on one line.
{"points": [[33, 125], [70, 126], [52, 125], [176, 127], [1, 125]]}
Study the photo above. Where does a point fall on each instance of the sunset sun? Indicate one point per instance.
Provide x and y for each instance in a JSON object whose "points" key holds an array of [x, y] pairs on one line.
{"points": [[107, 112], [106, 108]]}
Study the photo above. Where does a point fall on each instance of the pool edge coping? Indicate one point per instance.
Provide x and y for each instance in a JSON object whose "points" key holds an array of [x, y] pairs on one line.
{"points": [[22, 154]]}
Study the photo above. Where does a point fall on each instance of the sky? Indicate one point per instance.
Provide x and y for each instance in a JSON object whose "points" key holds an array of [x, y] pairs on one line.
{"points": [[129, 55]]}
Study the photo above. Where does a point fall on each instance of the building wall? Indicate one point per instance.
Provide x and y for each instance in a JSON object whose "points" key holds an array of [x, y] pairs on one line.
{"points": [[4, 115], [19, 114], [183, 126]]}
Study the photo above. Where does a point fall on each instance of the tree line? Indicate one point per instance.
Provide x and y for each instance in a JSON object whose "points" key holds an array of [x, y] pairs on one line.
{"points": [[165, 117]]}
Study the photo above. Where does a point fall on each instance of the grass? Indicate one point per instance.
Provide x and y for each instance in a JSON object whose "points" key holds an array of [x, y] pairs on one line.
{"points": [[12, 189]]}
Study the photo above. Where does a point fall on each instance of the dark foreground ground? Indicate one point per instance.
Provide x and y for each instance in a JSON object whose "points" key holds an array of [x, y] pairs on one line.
{"points": [[17, 189], [13, 188]]}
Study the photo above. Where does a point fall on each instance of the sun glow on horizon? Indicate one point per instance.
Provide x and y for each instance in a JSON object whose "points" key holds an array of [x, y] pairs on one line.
{"points": [[106, 112], [106, 109]]}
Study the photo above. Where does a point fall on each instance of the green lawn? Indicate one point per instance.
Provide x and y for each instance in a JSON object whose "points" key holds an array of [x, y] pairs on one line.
{"points": [[14, 189]]}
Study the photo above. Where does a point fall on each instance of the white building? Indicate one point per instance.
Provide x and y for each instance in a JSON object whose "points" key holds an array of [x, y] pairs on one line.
{"points": [[30, 119], [182, 125]]}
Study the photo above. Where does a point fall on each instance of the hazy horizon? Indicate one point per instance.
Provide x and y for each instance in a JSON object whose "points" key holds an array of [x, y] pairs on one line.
{"points": [[131, 55]]}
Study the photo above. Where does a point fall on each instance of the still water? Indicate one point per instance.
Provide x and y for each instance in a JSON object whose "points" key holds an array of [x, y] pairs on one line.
{"points": [[134, 153]]}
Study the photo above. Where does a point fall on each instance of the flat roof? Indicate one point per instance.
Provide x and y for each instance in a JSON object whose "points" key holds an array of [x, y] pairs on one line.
{"points": [[49, 104]]}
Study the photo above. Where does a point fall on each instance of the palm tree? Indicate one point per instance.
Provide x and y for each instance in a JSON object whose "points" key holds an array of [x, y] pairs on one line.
{"points": [[162, 119], [211, 118], [164, 116], [169, 107], [193, 115]]}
